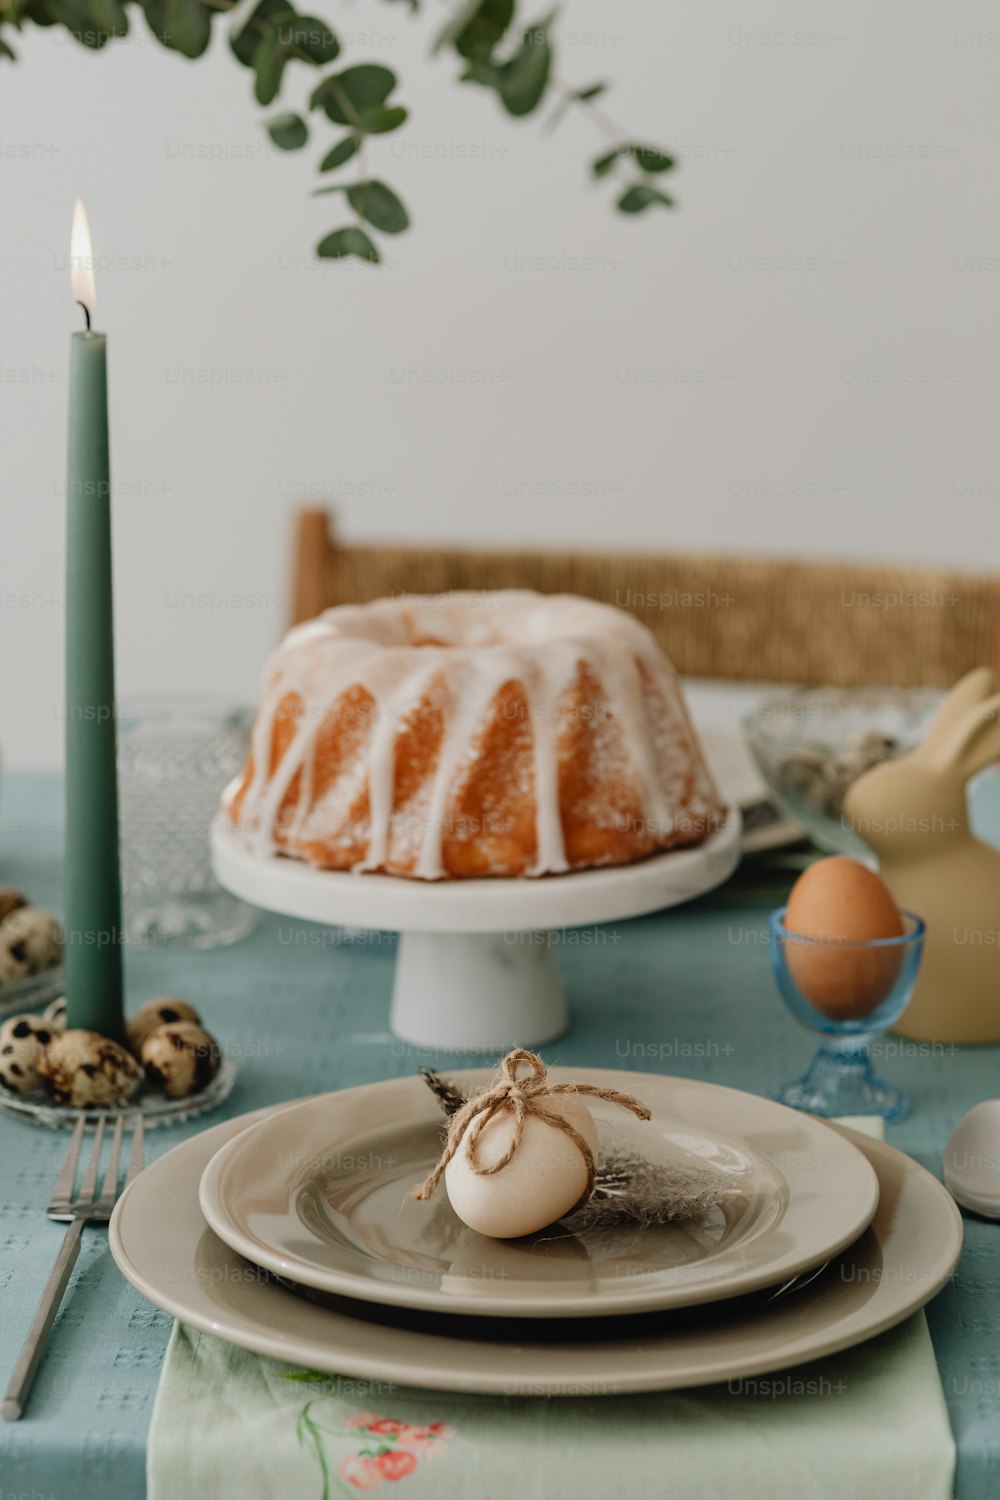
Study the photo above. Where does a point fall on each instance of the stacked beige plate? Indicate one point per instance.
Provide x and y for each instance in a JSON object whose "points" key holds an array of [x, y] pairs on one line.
{"points": [[290, 1232]]}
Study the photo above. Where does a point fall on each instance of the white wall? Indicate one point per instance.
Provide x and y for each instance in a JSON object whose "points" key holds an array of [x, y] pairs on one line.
{"points": [[862, 138]]}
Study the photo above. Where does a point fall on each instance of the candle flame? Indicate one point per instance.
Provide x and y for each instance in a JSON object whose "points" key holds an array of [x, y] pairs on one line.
{"points": [[81, 259]]}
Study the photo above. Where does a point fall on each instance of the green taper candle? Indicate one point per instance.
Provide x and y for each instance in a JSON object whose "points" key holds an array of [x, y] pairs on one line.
{"points": [[92, 881]]}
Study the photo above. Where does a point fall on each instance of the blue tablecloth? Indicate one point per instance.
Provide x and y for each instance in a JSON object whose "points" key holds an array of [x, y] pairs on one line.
{"points": [[686, 992]]}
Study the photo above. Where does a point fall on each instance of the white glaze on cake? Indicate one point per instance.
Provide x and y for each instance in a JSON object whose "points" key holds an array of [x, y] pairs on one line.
{"points": [[465, 647]]}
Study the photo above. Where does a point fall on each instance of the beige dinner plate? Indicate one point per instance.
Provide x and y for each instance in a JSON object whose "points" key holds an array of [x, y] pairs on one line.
{"points": [[161, 1242], [320, 1195]]}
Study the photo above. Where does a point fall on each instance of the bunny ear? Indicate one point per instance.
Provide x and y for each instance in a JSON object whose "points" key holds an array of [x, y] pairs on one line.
{"points": [[973, 742], [974, 688]]}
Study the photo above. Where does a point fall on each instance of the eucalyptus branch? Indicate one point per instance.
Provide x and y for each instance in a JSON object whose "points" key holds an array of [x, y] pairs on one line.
{"points": [[266, 36]]}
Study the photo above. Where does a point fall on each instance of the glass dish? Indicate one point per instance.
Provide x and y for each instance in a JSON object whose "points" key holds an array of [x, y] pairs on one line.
{"points": [[881, 974], [811, 744]]}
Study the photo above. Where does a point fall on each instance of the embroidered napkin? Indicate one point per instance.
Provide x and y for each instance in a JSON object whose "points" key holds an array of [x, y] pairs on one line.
{"points": [[869, 1424]]}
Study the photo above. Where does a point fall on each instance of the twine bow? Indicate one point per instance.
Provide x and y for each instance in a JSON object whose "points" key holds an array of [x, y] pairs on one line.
{"points": [[521, 1097]]}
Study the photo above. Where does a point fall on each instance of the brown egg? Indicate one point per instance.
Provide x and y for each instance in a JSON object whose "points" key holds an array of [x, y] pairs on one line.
{"points": [[841, 902]]}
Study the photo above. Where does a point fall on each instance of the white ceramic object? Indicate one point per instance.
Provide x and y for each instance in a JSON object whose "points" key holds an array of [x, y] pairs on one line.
{"points": [[319, 1195], [972, 1160], [180, 1265], [477, 966]]}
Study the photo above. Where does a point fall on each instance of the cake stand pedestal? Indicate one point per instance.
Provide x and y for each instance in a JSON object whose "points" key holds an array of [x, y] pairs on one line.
{"points": [[478, 966]]}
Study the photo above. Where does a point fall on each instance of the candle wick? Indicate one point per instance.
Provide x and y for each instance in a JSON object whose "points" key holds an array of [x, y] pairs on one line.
{"points": [[86, 312]]}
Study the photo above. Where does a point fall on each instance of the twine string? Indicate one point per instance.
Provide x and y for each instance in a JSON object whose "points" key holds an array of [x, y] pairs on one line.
{"points": [[523, 1097]]}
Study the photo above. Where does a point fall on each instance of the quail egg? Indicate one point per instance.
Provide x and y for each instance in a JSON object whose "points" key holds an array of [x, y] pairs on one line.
{"points": [[80, 1068], [180, 1059], [154, 1014], [30, 942], [22, 1041]]}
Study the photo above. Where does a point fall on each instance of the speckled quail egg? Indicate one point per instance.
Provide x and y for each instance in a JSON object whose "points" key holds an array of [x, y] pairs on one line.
{"points": [[10, 900], [55, 1014], [22, 1041], [31, 941], [80, 1068], [153, 1015], [180, 1059]]}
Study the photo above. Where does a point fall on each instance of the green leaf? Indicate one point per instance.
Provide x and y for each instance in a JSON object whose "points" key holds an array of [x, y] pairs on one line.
{"points": [[290, 131], [636, 199], [524, 79], [306, 1377], [155, 13], [313, 37], [342, 151], [381, 119], [110, 16], [486, 73], [77, 20], [352, 241], [379, 205], [477, 28], [604, 164], [188, 26], [650, 159], [6, 51], [37, 12], [269, 64], [594, 92], [245, 39], [344, 95]]}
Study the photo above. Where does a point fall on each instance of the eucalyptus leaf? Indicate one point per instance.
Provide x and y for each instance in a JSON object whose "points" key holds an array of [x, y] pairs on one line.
{"points": [[269, 64], [351, 241], [605, 164], [313, 37], [379, 205], [344, 95], [77, 20], [155, 12], [652, 160], [341, 152], [289, 132], [486, 73], [639, 197], [524, 79], [6, 51], [110, 16], [246, 38], [188, 26], [38, 12], [478, 28], [381, 119]]}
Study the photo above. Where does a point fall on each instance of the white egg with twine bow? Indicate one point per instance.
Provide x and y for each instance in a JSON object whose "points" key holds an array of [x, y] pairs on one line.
{"points": [[522, 1154]]}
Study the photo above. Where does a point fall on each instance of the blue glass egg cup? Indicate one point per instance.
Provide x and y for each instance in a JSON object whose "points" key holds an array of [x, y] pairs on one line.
{"points": [[841, 1079]]}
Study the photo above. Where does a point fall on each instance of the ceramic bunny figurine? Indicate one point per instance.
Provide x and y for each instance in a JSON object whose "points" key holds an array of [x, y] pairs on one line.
{"points": [[912, 813]]}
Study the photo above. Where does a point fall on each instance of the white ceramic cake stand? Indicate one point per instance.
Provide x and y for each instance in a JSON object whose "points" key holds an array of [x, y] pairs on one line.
{"points": [[478, 967]]}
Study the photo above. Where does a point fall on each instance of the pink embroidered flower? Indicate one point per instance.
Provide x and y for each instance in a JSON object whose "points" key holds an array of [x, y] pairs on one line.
{"points": [[396, 1463], [364, 1473], [429, 1442], [362, 1419], [387, 1425]]}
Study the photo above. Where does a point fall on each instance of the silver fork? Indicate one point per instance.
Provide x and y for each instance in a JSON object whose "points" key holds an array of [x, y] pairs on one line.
{"points": [[88, 1204]]}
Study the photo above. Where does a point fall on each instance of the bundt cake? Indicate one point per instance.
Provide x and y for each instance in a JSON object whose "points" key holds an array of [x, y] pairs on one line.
{"points": [[472, 734]]}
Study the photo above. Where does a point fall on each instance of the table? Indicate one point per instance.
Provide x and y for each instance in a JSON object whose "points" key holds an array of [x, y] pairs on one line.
{"points": [[687, 991]]}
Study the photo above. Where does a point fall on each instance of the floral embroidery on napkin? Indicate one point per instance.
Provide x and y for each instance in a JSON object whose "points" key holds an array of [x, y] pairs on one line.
{"points": [[389, 1449]]}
